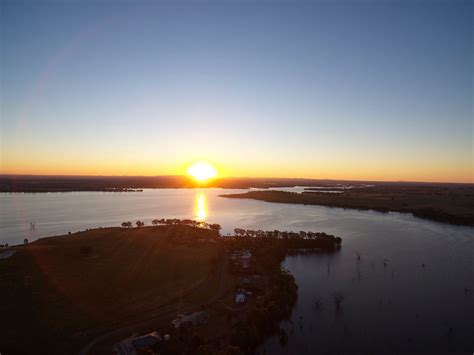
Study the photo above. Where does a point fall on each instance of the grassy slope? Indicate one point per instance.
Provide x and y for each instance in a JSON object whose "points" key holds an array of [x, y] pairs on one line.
{"points": [[443, 204], [127, 274]]}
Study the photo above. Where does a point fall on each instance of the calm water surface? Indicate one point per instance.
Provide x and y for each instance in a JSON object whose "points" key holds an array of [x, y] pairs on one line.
{"points": [[402, 307]]}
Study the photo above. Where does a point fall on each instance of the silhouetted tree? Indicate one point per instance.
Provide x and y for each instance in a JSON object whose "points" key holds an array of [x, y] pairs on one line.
{"points": [[188, 222], [318, 303], [239, 232], [215, 227], [139, 224]]}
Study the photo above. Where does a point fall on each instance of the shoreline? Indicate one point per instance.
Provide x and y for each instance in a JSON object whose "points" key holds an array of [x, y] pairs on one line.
{"points": [[433, 212]]}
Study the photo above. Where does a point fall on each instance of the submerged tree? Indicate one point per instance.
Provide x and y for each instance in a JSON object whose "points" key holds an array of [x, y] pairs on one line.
{"points": [[318, 303], [283, 337], [338, 299]]}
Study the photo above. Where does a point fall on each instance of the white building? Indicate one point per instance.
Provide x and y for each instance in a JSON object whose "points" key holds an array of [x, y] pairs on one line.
{"points": [[240, 298]]}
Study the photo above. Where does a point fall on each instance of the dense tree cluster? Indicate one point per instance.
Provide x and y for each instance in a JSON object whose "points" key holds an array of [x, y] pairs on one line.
{"points": [[263, 320], [268, 249], [288, 240], [186, 222], [239, 232]]}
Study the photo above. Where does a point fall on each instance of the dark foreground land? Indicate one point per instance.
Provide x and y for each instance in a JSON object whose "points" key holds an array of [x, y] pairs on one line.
{"points": [[452, 204], [84, 292]]}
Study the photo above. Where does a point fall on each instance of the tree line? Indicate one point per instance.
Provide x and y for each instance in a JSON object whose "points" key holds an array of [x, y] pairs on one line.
{"points": [[175, 222], [250, 233]]}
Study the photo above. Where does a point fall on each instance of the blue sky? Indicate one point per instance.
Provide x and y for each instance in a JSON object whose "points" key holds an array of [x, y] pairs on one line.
{"points": [[328, 89]]}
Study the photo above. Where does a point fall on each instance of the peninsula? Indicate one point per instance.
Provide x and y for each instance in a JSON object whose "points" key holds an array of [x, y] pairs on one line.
{"points": [[97, 289], [447, 204]]}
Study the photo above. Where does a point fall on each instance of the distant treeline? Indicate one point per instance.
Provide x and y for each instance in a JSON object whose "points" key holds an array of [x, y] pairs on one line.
{"points": [[446, 204], [32, 183]]}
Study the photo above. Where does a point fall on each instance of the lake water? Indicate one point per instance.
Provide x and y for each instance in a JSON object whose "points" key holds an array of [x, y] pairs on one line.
{"points": [[400, 307]]}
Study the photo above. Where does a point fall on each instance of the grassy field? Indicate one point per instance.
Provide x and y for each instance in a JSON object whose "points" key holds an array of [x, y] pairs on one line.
{"points": [[447, 204], [57, 291]]}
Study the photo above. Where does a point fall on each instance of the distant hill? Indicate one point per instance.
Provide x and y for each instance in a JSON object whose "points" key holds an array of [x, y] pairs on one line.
{"points": [[45, 183]]}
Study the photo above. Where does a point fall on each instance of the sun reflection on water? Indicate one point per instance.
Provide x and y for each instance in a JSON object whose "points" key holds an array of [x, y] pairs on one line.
{"points": [[201, 207]]}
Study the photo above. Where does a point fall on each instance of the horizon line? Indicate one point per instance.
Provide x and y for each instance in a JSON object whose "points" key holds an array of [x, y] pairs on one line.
{"points": [[239, 177]]}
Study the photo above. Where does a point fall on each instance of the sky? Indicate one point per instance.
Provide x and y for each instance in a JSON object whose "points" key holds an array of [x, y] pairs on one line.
{"points": [[368, 90]]}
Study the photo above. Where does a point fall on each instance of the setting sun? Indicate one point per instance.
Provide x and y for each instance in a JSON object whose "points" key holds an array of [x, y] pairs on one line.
{"points": [[202, 171]]}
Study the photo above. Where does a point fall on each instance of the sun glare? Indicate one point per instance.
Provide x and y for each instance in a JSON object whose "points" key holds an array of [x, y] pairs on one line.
{"points": [[202, 171], [201, 208]]}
